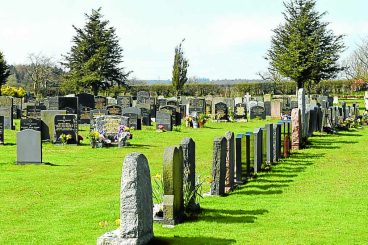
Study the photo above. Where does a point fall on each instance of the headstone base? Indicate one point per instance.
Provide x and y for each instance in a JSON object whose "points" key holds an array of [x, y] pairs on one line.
{"points": [[114, 238]]}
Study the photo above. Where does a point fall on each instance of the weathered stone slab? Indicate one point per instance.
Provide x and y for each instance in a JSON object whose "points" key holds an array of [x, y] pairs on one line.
{"points": [[269, 143], [239, 152], [230, 161], [6, 110], [29, 147], [257, 149], [173, 203], [219, 166], [48, 124], [189, 178], [136, 215], [296, 137]]}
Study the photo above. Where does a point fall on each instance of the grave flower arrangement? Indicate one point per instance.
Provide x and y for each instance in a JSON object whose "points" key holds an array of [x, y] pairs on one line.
{"points": [[64, 138], [161, 128], [202, 119], [188, 121], [123, 135]]}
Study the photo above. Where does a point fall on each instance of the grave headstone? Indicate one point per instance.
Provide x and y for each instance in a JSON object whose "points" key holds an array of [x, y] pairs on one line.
{"points": [[70, 104], [164, 119], [230, 161], [219, 166], [136, 215], [296, 138], [221, 111], [240, 111], [197, 105], [161, 102], [124, 101], [277, 142], [269, 143], [30, 123], [29, 147], [302, 108], [94, 114], [67, 125], [34, 111], [52, 103], [239, 153], [257, 112], [100, 102], [114, 110], [85, 115], [135, 118], [48, 124], [86, 100], [249, 153], [257, 146], [109, 125], [276, 108], [267, 107], [189, 179], [173, 203], [146, 113], [6, 110], [172, 110]]}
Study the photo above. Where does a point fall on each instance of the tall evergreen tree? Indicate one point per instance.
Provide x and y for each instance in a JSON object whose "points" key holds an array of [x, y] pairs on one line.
{"points": [[303, 49], [180, 67], [94, 59], [4, 71]]}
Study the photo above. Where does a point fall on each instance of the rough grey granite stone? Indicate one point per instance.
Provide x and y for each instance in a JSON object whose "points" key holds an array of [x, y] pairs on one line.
{"points": [[219, 166], [188, 146], [230, 161], [136, 213]]}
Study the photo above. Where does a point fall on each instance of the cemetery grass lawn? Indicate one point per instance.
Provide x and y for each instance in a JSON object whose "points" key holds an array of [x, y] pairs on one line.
{"points": [[318, 195]]}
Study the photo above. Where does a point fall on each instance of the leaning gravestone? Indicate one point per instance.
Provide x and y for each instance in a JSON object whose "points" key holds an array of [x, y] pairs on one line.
{"points": [[1, 130], [6, 110], [67, 125], [48, 124], [30, 123], [188, 146], [29, 147], [219, 166], [173, 203], [230, 165], [136, 215]]}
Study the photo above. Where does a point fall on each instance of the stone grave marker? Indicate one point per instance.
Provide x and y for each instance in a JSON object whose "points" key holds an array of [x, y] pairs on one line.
{"points": [[135, 118], [197, 105], [173, 203], [230, 161], [161, 102], [219, 166], [52, 103], [249, 153], [240, 111], [70, 104], [30, 123], [2, 130], [239, 153], [114, 110], [172, 110], [269, 143], [276, 108], [29, 147], [34, 111], [257, 146], [165, 119], [85, 115], [109, 124], [68, 125], [100, 102], [124, 101], [86, 100], [257, 112], [296, 138], [146, 113], [277, 142], [189, 179], [267, 107], [48, 124], [221, 111], [172, 103], [142, 97], [136, 214], [94, 114], [6, 110]]}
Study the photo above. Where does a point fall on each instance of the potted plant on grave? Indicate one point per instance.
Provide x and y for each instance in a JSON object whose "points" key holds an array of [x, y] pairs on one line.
{"points": [[123, 135], [94, 137], [188, 121], [64, 138], [161, 128], [202, 119]]}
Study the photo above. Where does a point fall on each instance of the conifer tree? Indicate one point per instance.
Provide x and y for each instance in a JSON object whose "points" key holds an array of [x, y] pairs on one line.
{"points": [[180, 67], [302, 48], [4, 71]]}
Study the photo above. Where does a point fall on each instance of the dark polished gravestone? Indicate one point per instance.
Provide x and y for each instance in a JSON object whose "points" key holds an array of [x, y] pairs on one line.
{"points": [[30, 123], [6, 110], [70, 104], [269, 143], [135, 117], [146, 113], [240, 111], [221, 111], [124, 101], [257, 146], [197, 105], [1, 130], [67, 125], [114, 110], [249, 154], [86, 100], [164, 120], [29, 147], [34, 111], [173, 111], [257, 112], [239, 157], [267, 107]]}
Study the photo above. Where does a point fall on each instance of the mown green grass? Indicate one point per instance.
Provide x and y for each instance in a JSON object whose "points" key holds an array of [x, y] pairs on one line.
{"points": [[318, 195]]}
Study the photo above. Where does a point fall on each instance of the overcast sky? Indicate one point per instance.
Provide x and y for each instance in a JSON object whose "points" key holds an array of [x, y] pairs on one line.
{"points": [[224, 38]]}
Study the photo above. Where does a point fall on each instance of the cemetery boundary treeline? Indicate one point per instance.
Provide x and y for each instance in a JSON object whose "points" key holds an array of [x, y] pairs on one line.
{"points": [[232, 90]]}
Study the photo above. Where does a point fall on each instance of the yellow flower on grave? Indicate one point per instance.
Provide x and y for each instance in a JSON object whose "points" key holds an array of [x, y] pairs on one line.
{"points": [[117, 222], [157, 176]]}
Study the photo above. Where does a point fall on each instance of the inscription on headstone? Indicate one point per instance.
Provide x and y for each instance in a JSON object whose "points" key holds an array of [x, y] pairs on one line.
{"points": [[30, 123], [67, 125]]}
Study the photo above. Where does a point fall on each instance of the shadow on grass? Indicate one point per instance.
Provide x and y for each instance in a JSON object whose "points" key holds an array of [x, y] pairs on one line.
{"points": [[142, 146], [55, 165], [190, 240], [8, 144], [229, 216]]}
